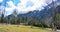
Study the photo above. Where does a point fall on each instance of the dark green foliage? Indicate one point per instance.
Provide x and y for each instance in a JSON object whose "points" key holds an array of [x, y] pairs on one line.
{"points": [[37, 22], [43, 23], [24, 20], [2, 18], [57, 20], [5, 20]]}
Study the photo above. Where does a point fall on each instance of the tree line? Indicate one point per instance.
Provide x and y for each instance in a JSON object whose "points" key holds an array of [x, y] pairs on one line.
{"points": [[24, 20], [33, 21]]}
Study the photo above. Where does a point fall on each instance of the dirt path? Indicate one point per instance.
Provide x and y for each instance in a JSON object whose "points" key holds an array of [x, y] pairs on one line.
{"points": [[51, 29], [58, 30]]}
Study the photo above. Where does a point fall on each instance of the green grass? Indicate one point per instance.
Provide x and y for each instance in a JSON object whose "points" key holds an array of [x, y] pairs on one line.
{"points": [[21, 28]]}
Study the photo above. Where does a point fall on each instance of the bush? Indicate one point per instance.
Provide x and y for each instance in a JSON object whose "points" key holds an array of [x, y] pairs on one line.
{"points": [[38, 25]]}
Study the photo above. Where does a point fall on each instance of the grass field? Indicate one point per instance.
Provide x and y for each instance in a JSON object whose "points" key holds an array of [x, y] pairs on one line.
{"points": [[21, 28]]}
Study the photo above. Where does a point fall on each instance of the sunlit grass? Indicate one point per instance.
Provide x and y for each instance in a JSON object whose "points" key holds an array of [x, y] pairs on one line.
{"points": [[21, 28]]}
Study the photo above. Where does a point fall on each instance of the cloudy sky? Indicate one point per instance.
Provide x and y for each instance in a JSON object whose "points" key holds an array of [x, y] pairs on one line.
{"points": [[23, 6]]}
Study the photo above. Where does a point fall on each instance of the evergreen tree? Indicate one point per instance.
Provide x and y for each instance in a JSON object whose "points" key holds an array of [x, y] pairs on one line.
{"points": [[2, 18], [24, 20]]}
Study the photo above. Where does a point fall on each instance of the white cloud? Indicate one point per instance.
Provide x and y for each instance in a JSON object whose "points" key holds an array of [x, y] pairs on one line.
{"points": [[21, 7], [12, 7], [1, 0], [23, 2], [37, 4]]}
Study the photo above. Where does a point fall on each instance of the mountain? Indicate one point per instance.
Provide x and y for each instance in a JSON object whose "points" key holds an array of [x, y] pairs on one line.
{"points": [[44, 13], [39, 14]]}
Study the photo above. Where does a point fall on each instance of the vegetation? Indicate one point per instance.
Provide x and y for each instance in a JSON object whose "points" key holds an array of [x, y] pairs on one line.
{"points": [[34, 21], [21, 28], [24, 20]]}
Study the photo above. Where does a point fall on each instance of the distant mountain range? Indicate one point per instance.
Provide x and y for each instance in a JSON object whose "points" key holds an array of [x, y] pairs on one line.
{"points": [[45, 13], [39, 14]]}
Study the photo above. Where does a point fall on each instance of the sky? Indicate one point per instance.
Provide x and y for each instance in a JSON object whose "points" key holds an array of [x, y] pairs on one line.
{"points": [[23, 6]]}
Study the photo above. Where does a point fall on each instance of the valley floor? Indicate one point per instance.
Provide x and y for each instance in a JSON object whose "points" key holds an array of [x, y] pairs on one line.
{"points": [[21, 28]]}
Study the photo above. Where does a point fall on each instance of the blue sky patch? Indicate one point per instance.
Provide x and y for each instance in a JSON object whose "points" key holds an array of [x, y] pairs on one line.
{"points": [[4, 2], [16, 2], [29, 3], [8, 6]]}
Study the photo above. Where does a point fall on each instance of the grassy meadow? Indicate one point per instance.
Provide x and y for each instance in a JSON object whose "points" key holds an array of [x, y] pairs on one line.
{"points": [[21, 28]]}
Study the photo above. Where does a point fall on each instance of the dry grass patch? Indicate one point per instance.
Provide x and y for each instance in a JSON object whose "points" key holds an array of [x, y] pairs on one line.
{"points": [[21, 28]]}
